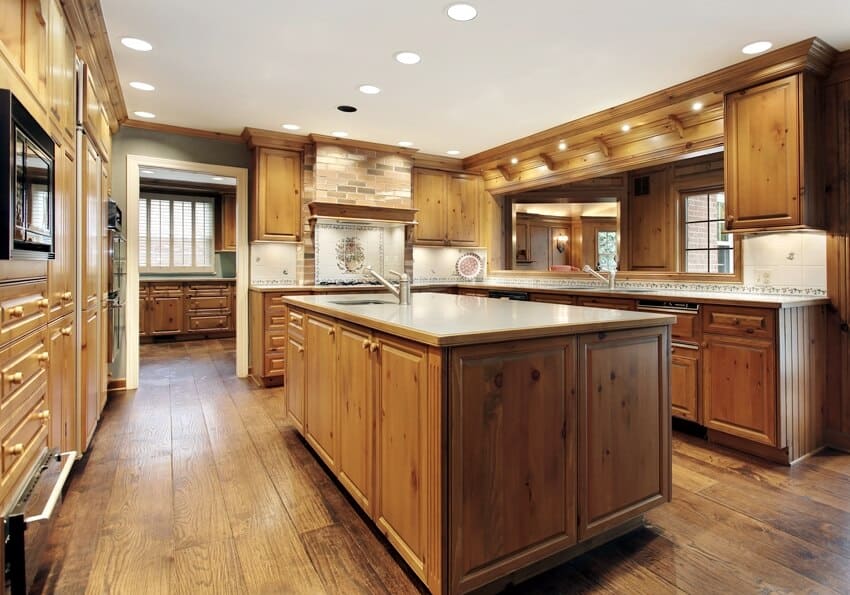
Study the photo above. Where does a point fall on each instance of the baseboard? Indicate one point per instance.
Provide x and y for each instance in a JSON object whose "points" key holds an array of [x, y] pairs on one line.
{"points": [[837, 440], [776, 455], [117, 384]]}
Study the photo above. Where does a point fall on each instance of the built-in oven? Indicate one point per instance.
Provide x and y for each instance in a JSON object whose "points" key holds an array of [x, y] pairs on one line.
{"points": [[26, 178], [117, 276]]}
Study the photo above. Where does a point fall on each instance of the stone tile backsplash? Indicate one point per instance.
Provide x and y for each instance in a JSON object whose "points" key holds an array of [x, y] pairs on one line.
{"points": [[343, 250], [440, 264], [794, 259], [352, 175]]}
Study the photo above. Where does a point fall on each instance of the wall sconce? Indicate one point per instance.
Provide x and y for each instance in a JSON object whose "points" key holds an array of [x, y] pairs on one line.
{"points": [[561, 242]]}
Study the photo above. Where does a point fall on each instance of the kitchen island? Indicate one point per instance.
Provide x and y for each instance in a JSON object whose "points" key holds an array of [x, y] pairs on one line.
{"points": [[486, 439]]}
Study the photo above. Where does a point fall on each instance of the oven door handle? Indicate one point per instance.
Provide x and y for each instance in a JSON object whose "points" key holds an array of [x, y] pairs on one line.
{"points": [[57, 489]]}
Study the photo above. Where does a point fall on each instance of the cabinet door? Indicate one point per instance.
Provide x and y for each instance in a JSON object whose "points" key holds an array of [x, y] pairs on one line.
{"points": [[225, 239], [739, 387], [35, 45], [464, 193], [624, 426], [355, 397], [166, 315], [651, 226], [62, 83], [430, 190], [61, 271], [91, 236], [90, 382], [762, 155], [684, 382], [513, 441], [401, 510], [294, 386], [144, 306], [320, 388], [522, 254], [277, 196], [11, 29], [538, 247]]}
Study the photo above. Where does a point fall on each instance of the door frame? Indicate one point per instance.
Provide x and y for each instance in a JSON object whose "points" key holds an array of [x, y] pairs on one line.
{"points": [[134, 163]]}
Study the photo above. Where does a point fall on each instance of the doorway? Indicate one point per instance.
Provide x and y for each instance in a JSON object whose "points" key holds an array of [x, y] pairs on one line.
{"points": [[135, 165]]}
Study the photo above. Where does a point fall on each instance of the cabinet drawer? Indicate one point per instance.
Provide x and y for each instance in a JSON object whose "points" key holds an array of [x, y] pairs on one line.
{"points": [[208, 323], [165, 289], [275, 364], [275, 320], [553, 298], [596, 302], [686, 327], [22, 365], [273, 299], [296, 320], [207, 289], [23, 308], [23, 441], [731, 320], [207, 302], [275, 341]]}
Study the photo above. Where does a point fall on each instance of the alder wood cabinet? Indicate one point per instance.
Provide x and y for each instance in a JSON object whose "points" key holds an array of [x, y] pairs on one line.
{"points": [[771, 157], [275, 200], [449, 207], [414, 430], [186, 308], [225, 223]]}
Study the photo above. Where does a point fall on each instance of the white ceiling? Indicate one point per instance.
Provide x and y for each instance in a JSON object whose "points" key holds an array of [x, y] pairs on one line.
{"points": [[518, 68]]}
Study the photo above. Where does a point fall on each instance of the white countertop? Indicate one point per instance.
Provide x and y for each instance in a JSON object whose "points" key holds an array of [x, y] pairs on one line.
{"points": [[446, 320]]}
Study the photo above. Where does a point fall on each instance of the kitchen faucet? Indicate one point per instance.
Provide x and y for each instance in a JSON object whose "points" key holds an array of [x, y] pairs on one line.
{"points": [[402, 292], [612, 275]]}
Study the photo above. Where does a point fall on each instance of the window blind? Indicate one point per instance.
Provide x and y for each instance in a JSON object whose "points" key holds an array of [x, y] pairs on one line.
{"points": [[176, 234]]}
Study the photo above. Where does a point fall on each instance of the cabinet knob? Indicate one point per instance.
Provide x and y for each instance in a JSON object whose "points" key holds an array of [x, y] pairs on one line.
{"points": [[15, 449], [43, 357], [43, 303], [66, 296], [374, 346], [66, 331], [16, 312], [300, 349], [43, 415], [16, 378], [366, 343], [331, 332], [730, 220], [705, 344]]}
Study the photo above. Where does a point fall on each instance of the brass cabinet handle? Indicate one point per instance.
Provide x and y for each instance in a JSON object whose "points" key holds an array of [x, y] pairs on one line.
{"points": [[300, 349], [16, 312], [43, 357], [16, 378], [66, 296], [331, 332], [66, 331], [43, 303], [374, 346], [43, 415], [366, 343], [15, 449]]}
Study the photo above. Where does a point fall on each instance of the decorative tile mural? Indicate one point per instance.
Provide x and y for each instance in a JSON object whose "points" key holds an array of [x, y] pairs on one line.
{"points": [[440, 264], [344, 249]]}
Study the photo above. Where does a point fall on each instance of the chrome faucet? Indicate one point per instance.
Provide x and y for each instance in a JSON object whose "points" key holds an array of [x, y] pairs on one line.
{"points": [[612, 275], [402, 291]]}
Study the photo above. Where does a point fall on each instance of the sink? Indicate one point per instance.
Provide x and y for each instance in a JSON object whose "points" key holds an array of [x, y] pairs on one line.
{"points": [[360, 302]]}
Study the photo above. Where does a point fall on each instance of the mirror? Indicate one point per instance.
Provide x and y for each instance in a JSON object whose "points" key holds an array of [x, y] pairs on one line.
{"points": [[668, 218]]}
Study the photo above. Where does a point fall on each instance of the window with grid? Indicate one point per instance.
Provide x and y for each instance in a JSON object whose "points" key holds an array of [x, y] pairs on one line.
{"points": [[606, 250], [176, 234], [708, 247]]}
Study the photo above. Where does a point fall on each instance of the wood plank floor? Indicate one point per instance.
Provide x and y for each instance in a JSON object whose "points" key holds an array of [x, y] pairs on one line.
{"points": [[196, 484]]}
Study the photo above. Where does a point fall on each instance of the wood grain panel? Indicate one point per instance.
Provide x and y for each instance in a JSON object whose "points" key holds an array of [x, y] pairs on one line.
{"points": [[320, 424], [429, 196], [276, 200]]}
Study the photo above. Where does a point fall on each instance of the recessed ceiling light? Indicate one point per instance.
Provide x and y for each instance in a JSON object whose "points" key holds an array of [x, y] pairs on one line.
{"points": [[291, 127], [562, 146], [134, 43], [514, 160], [142, 86], [348, 109], [149, 172], [369, 89], [625, 127], [339, 133], [462, 12], [145, 114], [696, 106], [452, 152], [757, 47], [405, 143], [408, 57], [217, 179]]}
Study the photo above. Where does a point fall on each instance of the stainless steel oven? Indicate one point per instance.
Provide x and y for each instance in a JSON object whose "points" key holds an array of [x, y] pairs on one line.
{"points": [[26, 181]]}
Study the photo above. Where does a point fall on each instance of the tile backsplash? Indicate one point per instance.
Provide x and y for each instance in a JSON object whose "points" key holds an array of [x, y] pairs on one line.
{"points": [[789, 259], [273, 263], [344, 249], [440, 264]]}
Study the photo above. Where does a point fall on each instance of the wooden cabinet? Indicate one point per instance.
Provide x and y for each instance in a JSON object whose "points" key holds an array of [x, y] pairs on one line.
{"points": [[23, 33], [552, 298], [208, 307], [449, 208], [62, 81], [605, 302], [651, 229], [165, 316], [60, 383], [770, 159], [295, 372], [276, 198], [320, 388], [90, 257], [269, 347], [684, 381], [144, 307], [356, 350], [225, 224], [190, 308], [90, 381], [95, 120], [624, 438], [61, 271], [514, 431]]}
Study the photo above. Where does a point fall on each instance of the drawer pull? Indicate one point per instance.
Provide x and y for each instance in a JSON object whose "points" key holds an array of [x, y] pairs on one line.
{"points": [[43, 415], [15, 449], [16, 312], [66, 297], [66, 332], [16, 378], [43, 357], [331, 332], [300, 349], [43, 303], [374, 346], [366, 343]]}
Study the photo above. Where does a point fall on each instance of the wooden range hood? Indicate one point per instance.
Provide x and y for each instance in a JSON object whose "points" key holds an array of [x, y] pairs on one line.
{"points": [[362, 213]]}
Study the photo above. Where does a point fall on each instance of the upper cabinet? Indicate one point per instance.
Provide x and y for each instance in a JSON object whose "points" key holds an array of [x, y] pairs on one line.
{"points": [[276, 195], [225, 224], [62, 84], [95, 119], [771, 178], [448, 205]]}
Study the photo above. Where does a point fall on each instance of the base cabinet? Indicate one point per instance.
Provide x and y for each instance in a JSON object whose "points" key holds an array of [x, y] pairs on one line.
{"points": [[320, 387], [60, 383], [90, 382], [294, 387], [684, 381]]}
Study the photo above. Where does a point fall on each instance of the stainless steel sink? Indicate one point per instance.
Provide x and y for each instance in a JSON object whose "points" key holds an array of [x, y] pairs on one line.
{"points": [[360, 302]]}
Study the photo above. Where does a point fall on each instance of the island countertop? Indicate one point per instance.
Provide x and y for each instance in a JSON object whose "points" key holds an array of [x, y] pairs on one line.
{"points": [[444, 320]]}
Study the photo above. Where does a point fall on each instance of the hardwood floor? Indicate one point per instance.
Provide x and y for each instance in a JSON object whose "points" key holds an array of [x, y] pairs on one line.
{"points": [[195, 484]]}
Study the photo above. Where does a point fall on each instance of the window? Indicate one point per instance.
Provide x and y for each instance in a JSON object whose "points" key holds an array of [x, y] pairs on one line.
{"points": [[708, 247], [176, 234], [606, 250]]}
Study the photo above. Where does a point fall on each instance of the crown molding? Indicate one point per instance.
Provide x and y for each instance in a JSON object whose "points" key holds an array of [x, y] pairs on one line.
{"points": [[182, 130], [362, 144], [272, 139]]}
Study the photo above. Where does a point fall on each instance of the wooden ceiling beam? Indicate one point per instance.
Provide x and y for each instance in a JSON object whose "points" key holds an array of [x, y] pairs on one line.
{"points": [[506, 173], [548, 161], [677, 124], [603, 146]]}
